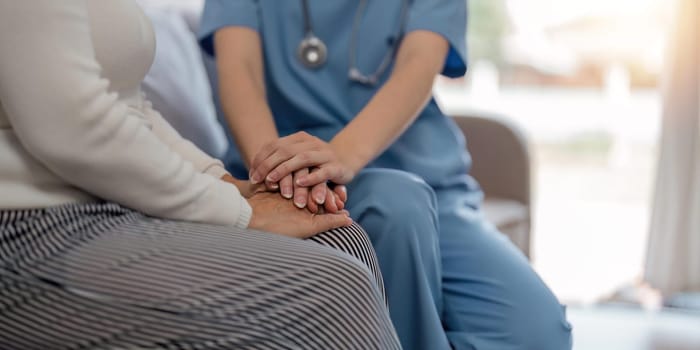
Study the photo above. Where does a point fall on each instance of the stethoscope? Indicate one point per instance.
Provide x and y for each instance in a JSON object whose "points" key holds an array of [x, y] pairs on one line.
{"points": [[313, 53]]}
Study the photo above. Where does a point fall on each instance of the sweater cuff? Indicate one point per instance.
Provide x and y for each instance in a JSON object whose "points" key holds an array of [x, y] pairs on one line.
{"points": [[246, 213], [216, 170]]}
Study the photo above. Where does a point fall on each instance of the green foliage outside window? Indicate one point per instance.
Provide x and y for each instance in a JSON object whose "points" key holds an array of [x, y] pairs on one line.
{"points": [[488, 20]]}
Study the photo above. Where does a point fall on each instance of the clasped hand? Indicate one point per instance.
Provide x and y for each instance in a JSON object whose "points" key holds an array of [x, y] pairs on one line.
{"points": [[271, 213], [300, 166]]}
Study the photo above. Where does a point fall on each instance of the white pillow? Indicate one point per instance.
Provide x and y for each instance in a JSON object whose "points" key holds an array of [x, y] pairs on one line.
{"points": [[178, 86]]}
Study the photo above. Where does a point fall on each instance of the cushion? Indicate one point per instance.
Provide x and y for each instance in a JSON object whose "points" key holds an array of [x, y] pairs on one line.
{"points": [[178, 85], [512, 218]]}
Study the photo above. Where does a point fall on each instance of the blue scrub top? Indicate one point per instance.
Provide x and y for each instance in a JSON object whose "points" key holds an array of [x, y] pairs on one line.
{"points": [[322, 101]]}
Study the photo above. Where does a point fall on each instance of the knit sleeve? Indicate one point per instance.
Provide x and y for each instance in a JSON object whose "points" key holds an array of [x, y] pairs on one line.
{"points": [[62, 112]]}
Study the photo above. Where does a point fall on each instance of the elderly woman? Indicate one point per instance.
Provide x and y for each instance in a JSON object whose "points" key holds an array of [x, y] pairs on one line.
{"points": [[117, 233]]}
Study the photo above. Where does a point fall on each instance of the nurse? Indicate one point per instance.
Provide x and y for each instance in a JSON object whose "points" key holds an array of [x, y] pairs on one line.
{"points": [[318, 92]]}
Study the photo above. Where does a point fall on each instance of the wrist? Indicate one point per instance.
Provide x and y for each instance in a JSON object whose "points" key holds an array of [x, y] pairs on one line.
{"points": [[253, 220], [246, 213], [232, 180], [349, 155], [245, 188]]}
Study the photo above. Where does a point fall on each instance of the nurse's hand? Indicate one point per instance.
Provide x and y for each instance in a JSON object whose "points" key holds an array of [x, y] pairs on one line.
{"points": [[280, 158], [316, 199]]}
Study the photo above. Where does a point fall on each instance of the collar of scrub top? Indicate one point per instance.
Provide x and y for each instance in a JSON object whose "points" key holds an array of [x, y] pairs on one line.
{"points": [[313, 53]]}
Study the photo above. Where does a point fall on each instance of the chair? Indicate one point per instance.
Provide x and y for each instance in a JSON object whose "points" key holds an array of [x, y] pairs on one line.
{"points": [[501, 164]]}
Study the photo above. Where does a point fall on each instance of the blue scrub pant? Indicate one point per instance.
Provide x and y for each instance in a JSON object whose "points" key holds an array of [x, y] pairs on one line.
{"points": [[452, 279]]}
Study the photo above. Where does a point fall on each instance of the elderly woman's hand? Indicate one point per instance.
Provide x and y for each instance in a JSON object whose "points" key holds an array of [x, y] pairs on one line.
{"points": [[318, 200], [272, 213], [246, 188]]}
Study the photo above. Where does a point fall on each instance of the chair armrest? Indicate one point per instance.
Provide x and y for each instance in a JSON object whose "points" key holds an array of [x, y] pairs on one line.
{"points": [[500, 154], [501, 164]]}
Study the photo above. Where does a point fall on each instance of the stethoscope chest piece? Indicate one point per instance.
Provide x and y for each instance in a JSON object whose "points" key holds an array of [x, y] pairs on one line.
{"points": [[312, 52]]}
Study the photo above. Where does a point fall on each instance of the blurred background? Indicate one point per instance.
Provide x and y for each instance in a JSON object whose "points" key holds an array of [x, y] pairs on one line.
{"points": [[582, 79]]}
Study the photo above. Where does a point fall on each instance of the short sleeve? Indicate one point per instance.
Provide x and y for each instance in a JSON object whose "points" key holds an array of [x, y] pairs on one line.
{"points": [[449, 19], [218, 14]]}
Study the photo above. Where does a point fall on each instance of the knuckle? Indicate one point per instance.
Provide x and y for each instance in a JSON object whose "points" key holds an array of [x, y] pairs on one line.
{"points": [[264, 168], [296, 137], [284, 152], [283, 140], [268, 147], [305, 157]]}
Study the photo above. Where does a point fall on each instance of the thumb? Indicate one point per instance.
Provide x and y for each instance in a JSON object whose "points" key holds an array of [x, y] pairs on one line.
{"points": [[325, 222]]}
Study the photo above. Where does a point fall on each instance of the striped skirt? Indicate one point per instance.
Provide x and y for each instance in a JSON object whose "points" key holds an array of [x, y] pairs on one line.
{"points": [[100, 276]]}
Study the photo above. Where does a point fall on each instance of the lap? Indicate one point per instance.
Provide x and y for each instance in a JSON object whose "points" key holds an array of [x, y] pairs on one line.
{"points": [[113, 275], [353, 240], [490, 289]]}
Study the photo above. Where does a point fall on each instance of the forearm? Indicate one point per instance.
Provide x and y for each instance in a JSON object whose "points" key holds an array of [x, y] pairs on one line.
{"points": [[242, 90], [249, 118], [383, 120], [420, 58]]}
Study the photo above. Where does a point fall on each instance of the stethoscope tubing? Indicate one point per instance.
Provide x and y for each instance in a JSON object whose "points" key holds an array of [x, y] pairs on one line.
{"points": [[312, 42]]}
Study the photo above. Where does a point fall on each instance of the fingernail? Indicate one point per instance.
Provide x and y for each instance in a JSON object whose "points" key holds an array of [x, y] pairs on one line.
{"points": [[274, 186], [255, 179], [272, 177], [320, 199], [301, 181], [286, 193], [299, 204]]}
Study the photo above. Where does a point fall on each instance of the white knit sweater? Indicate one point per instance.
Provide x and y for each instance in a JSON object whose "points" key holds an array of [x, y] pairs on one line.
{"points": [[74, 126]]}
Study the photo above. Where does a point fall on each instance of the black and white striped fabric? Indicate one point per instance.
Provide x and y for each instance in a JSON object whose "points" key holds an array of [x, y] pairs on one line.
{"points": [[100, 276]]}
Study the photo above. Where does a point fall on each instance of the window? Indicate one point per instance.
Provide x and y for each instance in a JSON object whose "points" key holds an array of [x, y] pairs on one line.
{"points": [[582, 79]]}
